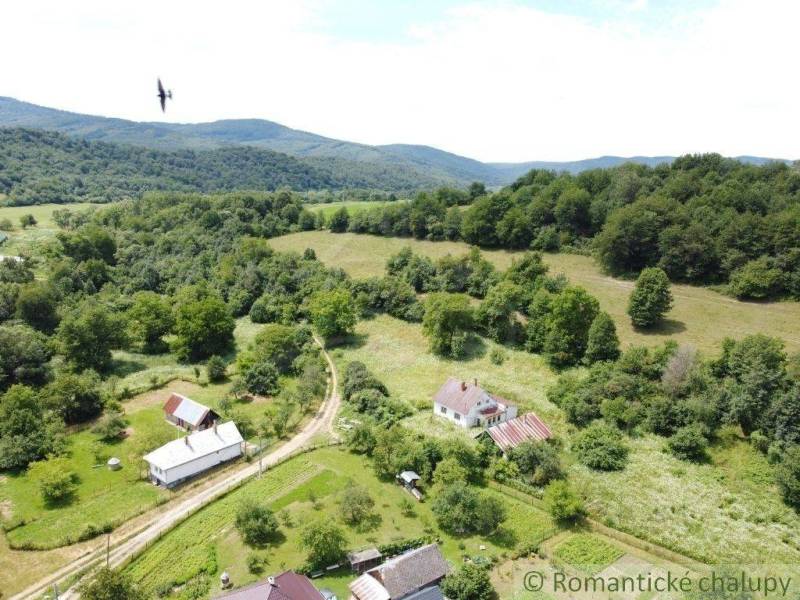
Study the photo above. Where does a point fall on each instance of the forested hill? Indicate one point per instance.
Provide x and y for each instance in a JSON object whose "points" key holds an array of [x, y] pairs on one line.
{"points": [[40, 166], [391, 161]]}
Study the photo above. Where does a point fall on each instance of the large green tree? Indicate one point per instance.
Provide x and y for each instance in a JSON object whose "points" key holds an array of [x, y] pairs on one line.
{"points": [[203, 324], [88, 333], [447, 322], [650, 299], [28, 432], [149, 319], [333, 312]]}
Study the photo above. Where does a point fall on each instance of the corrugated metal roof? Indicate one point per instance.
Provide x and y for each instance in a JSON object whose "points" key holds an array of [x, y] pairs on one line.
{"points": [[200, 443], [186, 409], [364, 555], [513, 432], [367, 587], [409, 476]]}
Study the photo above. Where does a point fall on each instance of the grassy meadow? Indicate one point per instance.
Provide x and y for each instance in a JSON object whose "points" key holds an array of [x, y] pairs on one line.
{"points": [[700, 316], [30, 241], [728, 510], [303, 489]]}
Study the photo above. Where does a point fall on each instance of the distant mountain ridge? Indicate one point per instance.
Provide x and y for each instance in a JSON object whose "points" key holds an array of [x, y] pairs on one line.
{"points": [[431, 165]]}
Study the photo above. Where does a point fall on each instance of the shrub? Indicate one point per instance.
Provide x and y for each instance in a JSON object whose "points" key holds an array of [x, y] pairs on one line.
{"points": [[461, 509], [788, 477], [55, 479], [355, 505], [562, 502], [262, 378], [650, 299], [689, 443], [539, 461], [470, 582], [111, 426], [109, 584], [497, 356], [325, 542], [601, 447], [256, 523], [759, 278], [215, 369], [255, 563]]}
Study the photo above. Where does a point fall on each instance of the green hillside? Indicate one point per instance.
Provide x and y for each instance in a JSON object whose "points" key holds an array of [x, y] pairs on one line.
{"points": [[39, 167]]}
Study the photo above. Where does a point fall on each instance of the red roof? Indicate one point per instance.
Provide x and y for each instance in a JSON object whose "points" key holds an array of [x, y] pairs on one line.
{"points": [[173, 402], [286, 586], [513, 432]]}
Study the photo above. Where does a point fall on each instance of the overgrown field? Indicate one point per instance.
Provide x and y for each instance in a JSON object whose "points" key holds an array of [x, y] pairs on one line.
{"points": [[303, 489], [700, 316], [727, 510], [31, 240], [396, 351]]}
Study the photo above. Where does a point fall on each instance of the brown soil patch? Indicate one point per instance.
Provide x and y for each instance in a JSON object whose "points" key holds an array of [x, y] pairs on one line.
{"points": [[159, 396]]}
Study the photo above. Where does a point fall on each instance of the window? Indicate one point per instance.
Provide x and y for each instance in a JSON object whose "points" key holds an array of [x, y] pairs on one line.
{"points": [[457, 416], [444, 410]]}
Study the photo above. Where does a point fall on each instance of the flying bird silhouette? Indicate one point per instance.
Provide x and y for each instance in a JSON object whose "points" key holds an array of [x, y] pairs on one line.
{"points": [[163, 95]]}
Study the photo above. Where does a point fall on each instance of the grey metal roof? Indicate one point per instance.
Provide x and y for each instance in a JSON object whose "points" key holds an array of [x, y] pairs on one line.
{"points": [[364, 555], [409, 476], [190, 411], [195, 445], [431, 593]]}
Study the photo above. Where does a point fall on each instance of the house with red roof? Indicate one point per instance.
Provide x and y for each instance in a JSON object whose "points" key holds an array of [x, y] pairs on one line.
{"points": [[469, 405]]}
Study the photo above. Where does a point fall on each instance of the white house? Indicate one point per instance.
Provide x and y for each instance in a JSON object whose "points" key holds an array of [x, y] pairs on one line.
{"points": [[186, 457], [469, 405]]}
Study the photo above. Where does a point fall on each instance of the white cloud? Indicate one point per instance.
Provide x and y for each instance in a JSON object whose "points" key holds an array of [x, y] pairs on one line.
{"points": [[492, 81]]}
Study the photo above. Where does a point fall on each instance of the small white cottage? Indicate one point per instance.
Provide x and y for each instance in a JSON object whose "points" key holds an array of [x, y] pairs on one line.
{"points": [[469, 405], [186, 457]]}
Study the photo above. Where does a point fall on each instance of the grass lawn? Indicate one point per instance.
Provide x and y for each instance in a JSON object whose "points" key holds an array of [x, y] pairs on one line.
{"points": [[289, 489], [700, 316], [588, 553], [103, 499], [396, 351]]}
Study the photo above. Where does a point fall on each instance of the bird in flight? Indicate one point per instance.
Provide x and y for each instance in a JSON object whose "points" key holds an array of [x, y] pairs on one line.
{"points": [[163, 95]]}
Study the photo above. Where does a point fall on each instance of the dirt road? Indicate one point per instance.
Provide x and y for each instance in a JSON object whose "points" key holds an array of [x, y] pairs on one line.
{"points": [[322, 422]]}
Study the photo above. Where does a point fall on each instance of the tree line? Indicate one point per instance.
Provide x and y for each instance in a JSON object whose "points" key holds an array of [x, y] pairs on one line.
{"points": [[703, 219]]}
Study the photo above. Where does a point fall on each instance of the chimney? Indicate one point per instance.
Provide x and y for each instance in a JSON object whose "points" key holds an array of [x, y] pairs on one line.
{"points": [[463, 386], [271, 581], [215, 426]]}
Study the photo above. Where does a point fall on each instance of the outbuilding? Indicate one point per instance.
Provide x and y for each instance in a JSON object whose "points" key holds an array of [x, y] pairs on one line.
{"points": [[188, 414], [364, 560], [186, 457]]}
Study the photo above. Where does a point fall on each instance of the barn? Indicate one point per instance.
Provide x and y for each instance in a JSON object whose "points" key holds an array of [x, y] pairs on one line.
{"points": [[180, 459], [188, 414]]}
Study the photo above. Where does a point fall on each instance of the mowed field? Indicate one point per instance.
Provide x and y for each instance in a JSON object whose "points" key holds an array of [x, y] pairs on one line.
{"points": [[726, 511], [700, 317]]}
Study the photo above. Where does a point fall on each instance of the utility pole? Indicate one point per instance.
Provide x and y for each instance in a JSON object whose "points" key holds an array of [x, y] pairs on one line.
{"points": [[108, 549], [55, 591]]}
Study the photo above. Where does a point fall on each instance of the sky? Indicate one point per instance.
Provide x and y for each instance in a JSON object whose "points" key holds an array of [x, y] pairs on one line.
{"points": [[500, 81]]}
